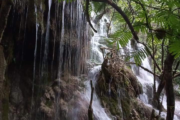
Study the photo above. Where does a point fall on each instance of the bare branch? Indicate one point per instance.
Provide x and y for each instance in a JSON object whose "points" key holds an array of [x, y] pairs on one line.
{"points": [[143, 68]]}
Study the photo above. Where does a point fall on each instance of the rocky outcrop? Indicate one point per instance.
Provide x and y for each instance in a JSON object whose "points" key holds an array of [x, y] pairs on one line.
{"points": [[62, 100], [118, 89]]}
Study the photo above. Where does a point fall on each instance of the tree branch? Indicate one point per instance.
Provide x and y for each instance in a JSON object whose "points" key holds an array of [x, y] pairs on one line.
{"points": [[176, 75], [143, 68], [87, 14], [177, 65], [90, 110], [162, 59]]}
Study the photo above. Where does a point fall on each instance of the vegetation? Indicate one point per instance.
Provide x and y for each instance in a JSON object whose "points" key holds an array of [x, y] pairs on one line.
{"points": [[155, 25]]}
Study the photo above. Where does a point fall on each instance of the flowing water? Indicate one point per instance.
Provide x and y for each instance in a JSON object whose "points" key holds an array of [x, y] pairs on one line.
{"points": [[96, 57], [46, 47], [35, 55], [98, 110]]}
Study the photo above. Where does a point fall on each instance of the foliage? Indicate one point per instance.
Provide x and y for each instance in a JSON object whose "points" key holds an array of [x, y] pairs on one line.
{"points": [[98, 6]]}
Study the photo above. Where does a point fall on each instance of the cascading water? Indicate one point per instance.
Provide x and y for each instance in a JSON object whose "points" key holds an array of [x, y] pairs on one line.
{"points": [[35, 55], [97, 41], [61, 42], [46, 47], [96, 57], [61, 50]]}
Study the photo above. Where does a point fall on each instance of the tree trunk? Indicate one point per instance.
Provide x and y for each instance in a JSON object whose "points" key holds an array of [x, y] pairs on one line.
{"points": [[167, 82], [168, 76]]}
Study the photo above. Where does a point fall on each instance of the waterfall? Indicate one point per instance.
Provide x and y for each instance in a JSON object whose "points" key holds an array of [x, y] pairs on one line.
{"points": [[97, 41], [35, 50], [96, 57], [61, 49], [35, 55], [46, 47]]}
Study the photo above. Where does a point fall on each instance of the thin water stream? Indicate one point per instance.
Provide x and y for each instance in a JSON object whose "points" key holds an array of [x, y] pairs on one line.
{"points": [[46, 47]]}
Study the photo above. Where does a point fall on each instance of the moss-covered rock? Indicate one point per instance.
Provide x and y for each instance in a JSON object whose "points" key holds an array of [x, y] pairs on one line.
{"points": [[118, 88]]}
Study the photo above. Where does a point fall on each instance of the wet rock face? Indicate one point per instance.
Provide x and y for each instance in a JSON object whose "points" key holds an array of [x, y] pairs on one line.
{"points": [[24, 43], [118, 89]]}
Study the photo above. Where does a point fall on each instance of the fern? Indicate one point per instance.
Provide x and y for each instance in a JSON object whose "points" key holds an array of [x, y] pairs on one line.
{"points": [[98, 6], [121, 38], [175, 48], [138, 55]]}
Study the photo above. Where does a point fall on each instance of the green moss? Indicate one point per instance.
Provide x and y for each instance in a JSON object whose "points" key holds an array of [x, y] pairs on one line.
{"points": [[122, 92], [126, 107], [112, 105], [127, 82]]}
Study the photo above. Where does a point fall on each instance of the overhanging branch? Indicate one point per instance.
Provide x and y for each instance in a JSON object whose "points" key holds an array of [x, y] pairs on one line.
{"points": [[87, 14]]}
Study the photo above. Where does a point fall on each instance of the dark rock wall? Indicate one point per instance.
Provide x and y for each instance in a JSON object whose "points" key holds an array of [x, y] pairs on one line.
{"points": [[25, 74]]}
